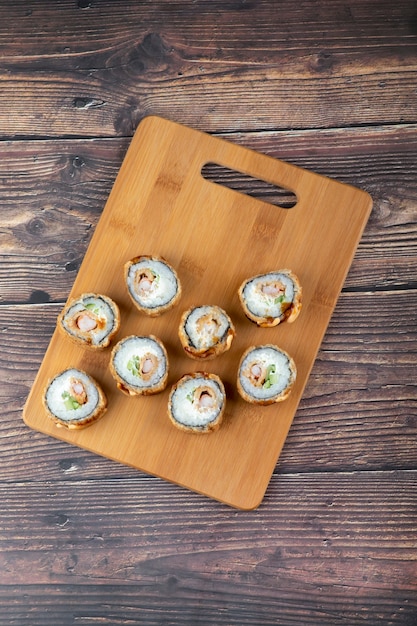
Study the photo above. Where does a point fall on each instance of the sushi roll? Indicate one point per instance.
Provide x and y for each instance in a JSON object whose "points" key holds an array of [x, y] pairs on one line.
{"points": [[139, 365], [74, 400], [91, 320], [153, 284], [205, 332], [269, 299], [266, 375], [196, 403]]}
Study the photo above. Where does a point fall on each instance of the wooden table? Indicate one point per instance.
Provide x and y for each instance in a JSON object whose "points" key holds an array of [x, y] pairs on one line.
{"points": [[329, 86]]}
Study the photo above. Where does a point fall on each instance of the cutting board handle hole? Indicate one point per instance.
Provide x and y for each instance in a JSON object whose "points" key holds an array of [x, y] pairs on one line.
{"points": [[249, 185]]}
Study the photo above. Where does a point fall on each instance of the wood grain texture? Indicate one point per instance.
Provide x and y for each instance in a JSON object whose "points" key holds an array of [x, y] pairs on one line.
{"points": [[53, 193], [314, 551], [161, 205], [99, 71], [328, 86], [362, 388]]}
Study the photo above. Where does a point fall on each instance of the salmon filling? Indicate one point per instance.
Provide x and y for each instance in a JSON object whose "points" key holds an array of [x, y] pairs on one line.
{"points": [[256, 373], [261, 375], [208, 326], [273, 289], [144, 366], [78, 391], [86, 321], [204, 398], [145, 281]]}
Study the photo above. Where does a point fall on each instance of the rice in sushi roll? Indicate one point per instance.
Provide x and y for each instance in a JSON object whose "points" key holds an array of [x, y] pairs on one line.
{"points": [[266, 375], [91, 320], [269, 299], [197, 402], [74, 400], [153, 284], [206, 331], [139, 365]]}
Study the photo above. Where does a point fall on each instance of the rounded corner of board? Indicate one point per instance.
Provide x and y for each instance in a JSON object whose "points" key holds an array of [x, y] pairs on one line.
{"points": [[151, 120], [369, 200], [246, 503], [365, 197], [26, 420]]}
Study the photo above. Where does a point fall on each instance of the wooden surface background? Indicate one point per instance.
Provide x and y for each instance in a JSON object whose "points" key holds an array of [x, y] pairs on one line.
{"points": [[327, 85]]}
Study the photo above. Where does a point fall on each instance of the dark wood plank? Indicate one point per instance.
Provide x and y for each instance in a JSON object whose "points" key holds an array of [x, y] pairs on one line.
{"points": [[381, 161], [84, 540], [96, 71], [52, 194], [120, 551], [362, 389]]}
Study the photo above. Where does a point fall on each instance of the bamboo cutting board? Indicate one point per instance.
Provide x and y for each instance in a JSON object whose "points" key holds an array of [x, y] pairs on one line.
{"points": [[215, 238]]}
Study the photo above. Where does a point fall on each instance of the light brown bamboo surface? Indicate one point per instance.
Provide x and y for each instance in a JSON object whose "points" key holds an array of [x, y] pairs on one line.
{"points": [[326, 85], [215, 238]]}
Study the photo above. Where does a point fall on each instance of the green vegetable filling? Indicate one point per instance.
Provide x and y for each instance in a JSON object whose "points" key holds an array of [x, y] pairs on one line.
{"points": [[91, 306], [133, 365], [271, 377], [190, 396], [70, 402], [280, 299]]}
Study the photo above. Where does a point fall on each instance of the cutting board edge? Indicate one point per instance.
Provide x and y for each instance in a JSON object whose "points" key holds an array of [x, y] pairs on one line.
{"points": [[244, 504], [152, 119], [254, 504]]}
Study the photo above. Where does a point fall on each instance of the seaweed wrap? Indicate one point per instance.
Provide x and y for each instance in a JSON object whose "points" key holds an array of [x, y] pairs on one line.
{"points": [[197, 402], [139, 365], [266, 375], [269, 299], [206, 331], [91, 320], [152, 283], [74, 400]]}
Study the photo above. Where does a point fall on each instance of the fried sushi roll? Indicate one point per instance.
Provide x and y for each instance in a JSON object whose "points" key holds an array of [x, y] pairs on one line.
{"points": [[196, 403], [74, 400], [91, 320], [269, 299], [205, 332], [153, 284], [139, 365], [266, 375]]}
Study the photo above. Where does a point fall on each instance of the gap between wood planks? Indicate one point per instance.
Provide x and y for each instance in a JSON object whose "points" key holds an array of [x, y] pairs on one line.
{"points": [[222, 132]]}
